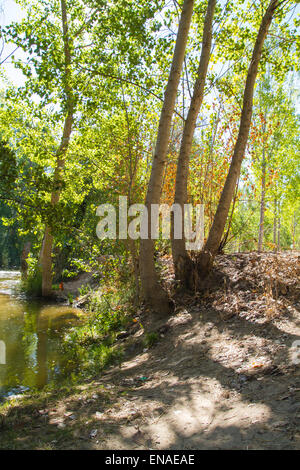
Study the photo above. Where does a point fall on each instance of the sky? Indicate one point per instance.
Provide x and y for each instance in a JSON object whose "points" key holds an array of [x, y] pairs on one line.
{"points": [[9, 12]]}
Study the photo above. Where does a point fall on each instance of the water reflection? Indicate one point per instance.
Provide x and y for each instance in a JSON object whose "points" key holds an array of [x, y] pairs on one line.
{"points": [[32, 333]]}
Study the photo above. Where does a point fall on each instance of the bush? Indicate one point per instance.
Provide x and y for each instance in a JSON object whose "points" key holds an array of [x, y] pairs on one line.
{"points": [[92, 346], [32, 285]]}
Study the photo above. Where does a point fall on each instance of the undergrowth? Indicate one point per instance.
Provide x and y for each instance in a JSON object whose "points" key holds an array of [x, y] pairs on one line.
{"points": [[32, 284], [92, 346]]}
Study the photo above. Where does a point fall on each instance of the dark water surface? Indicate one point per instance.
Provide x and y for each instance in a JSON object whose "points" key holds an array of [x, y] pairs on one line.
{"points": [[31, 335]]}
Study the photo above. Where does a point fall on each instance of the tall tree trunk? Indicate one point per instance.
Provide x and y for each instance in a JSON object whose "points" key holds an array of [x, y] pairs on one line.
{"points": [[294, 230], [275, 226], [215, 235], [181, 259], [46, 251], [278, 227], [152, 291], [24, 256], [226, 235], [262, 202]]}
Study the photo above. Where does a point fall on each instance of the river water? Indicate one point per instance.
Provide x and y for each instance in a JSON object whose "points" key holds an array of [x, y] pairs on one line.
{"points": [[31, 336]]}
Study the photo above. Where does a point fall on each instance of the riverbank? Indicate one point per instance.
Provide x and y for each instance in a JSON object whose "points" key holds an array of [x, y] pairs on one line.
{"points": [[220, 373], [54, 341]]}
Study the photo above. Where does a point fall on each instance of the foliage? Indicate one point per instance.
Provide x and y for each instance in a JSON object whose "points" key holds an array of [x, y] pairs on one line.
{"points": [[120, 58], [32, 284], [92, 346]]}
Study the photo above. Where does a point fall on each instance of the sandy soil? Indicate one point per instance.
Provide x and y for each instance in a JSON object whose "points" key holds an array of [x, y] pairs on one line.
{"points": [[221, 376]]}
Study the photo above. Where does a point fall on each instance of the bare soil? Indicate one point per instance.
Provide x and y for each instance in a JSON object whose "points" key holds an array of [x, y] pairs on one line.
{"points": [[222, 375]]}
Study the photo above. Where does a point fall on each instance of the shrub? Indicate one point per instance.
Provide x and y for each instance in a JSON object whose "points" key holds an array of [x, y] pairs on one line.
{"points": [[32, 285]]}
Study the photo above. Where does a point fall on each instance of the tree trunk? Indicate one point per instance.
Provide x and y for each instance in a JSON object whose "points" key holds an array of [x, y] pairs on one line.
{"points": [[181, 259], [153, 292], [46, 251], [24, 256], [215, 235], [294, 230], [275, 226], [226, 235], [278, 228], [262, 203]]}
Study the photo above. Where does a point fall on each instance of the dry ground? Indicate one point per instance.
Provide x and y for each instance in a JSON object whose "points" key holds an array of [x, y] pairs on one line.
{"points": [[221, 375]]}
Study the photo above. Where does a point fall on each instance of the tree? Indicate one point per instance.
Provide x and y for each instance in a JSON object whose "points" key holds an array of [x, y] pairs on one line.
{"points": [[211, 247], [59, 72], [153, 292], [181, 260], [69, 108]]}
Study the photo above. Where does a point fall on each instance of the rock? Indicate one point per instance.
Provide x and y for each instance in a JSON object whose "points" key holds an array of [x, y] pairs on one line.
{"points": [[82, 301], [93, 433], [122, 334]]}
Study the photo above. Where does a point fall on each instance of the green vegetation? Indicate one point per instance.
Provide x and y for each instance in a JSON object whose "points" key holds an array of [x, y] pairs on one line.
{"points": [[10, 242], [160, 102], [150, 339], [91, 347], [32, 284]]}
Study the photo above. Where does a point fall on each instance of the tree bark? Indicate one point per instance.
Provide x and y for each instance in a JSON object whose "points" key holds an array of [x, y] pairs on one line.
{"points": [[24, 256], [215, 235], [294, 230], [181, 259], [275, 226], [278, 228], [262, 201], [152, 290], [46, 251]]}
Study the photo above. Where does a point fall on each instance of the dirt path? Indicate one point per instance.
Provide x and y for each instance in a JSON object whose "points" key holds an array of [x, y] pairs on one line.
{"points": [[221, 376]]}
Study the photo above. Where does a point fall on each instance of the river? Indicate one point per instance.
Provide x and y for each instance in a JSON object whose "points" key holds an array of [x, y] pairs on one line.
{"points": [[31, 337]]}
